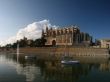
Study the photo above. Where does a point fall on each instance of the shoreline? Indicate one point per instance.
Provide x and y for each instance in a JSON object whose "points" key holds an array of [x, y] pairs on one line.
{"points": [[46, 52]]}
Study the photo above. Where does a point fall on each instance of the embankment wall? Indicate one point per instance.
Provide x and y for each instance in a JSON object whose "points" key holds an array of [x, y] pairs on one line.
{"points": [[47, 52]]}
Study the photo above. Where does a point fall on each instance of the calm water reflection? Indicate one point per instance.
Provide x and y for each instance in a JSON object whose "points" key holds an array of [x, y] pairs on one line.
{"points": [[89, 70]]}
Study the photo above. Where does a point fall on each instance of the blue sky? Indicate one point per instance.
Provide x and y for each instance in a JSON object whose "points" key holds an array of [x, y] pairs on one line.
{"points": [[93, 16]]}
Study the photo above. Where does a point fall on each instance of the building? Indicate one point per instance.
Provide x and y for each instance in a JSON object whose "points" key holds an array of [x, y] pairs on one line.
{"points": [[105, 43], [66, 36]]}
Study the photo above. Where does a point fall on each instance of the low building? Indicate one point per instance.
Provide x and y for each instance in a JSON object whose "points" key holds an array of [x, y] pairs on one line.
{"points": [[105, 43]]}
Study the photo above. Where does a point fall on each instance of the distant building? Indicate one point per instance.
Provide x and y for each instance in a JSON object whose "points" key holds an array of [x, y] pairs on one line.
{"points": [[66, 36], [105, 43]]}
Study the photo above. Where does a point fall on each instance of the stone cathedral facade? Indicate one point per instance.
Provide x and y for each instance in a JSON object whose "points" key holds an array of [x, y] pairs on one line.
{"points": [[66, 36]]}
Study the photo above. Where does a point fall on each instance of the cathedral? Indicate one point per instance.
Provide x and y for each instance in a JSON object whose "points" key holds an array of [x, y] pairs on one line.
{"points": [[70, 36]]}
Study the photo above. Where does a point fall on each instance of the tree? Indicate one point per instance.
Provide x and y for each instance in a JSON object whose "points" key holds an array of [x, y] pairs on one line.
{"points": [[31, 43], [14, 45], [8, 46], [23, 42], [40, 42], [97, 42]]}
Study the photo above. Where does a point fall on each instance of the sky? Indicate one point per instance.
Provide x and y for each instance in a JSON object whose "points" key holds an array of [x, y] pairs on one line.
{"points": [[92, 16]]}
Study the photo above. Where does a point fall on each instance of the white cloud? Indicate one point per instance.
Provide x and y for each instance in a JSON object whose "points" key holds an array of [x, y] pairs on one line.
{"points": [[31, 31]]}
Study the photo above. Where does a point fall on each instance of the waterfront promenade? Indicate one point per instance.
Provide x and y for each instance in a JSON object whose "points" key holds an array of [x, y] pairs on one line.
{"points": [[50, 52]]}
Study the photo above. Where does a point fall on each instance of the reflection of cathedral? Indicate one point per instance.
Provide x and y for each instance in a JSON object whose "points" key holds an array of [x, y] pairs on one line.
{"points": [[55, 71], [30, 71], [105, 66], [68, 36]]}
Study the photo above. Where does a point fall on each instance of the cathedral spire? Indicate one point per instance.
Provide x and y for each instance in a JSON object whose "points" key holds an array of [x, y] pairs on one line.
{"points": [[42, 33], [46, 28]]}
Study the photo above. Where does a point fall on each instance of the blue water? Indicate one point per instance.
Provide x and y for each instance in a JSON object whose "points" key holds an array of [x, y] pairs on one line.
{"points": [[88, 70]]}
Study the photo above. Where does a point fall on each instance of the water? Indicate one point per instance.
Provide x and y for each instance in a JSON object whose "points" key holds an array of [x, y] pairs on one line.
{"points": [[89, 70]]}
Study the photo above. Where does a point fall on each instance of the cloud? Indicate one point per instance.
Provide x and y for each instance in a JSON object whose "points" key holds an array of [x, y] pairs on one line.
{"points": [[31, 31]]}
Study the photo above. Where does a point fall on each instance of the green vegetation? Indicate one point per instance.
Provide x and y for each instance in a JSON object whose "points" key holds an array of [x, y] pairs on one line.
{"points": [[27, 43]]}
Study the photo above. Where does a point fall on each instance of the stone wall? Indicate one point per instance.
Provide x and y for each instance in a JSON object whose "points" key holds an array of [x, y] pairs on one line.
{"points": [[49, 52]]}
